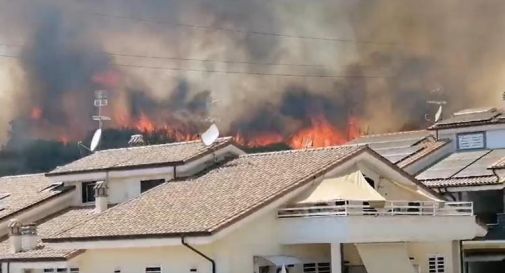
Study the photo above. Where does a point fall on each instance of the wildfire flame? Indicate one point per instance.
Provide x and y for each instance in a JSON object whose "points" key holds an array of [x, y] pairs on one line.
{"points": [[320, 133]]}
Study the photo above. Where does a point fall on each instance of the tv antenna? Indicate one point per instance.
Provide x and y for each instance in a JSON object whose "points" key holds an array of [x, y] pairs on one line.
{"points": [[439, 113], [99, 102]]}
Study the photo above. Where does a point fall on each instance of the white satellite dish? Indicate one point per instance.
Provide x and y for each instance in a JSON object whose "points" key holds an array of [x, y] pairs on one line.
{"points": [[211, 135], [95, 140], [438, 115]]}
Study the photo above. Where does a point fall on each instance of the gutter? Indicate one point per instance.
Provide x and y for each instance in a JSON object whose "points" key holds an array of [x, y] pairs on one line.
{"points": [[200, 254]]}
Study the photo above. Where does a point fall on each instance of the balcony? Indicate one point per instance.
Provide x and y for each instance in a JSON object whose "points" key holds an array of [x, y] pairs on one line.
{"points": [[388, 221], [390, 208]]}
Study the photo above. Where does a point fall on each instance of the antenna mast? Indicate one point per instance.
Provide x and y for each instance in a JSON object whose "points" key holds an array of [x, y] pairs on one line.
{"points": [[100, 101]]}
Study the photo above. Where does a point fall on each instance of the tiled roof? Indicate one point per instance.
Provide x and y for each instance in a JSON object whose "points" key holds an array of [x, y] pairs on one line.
{"points": [[402, 148], [500, 164], [206, 204], [47, 227], [23, 191], [143, 156], [392, 137], [428, 148], [461, 182], [471, 118]]}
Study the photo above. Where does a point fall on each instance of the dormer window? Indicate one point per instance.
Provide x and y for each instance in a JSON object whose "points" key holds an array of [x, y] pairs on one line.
{"points": [[88, 191]]}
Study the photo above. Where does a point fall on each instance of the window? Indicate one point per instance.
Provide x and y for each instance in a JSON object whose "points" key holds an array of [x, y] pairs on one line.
{"points": [[61, 270], [316, 268], [146, 185], [436, 264], [74, 270], [48, 270], [153, 269], [88, 192], [471, 141]]}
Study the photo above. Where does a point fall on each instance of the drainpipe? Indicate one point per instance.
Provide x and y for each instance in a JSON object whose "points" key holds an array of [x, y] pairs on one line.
{"points": [[201, 254], [462, 257]]}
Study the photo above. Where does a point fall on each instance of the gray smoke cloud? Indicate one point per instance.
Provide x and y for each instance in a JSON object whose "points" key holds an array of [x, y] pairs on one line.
{"points": [[394, 52]]}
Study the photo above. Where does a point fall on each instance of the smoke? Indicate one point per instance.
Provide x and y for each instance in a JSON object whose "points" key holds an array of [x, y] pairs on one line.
{"points": [[181, 64]]}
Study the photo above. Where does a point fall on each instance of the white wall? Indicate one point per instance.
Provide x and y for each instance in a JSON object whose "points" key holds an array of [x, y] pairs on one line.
{"points": [[357, 229], [421, 251], [495, 139], [233, 253]]}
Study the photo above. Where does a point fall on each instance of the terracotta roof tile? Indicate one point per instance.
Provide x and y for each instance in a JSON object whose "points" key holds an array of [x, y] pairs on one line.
{"points": [[500, 164], [23, 191], [47, 227], [427, 149], [210, 202], [172, 153], [462, 182]]}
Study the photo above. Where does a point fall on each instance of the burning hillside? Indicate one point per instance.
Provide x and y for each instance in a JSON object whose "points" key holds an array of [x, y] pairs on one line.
{"points": [[253, 67]]}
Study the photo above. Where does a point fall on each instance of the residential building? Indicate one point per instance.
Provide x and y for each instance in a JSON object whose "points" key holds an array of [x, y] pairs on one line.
{"points": [[185, 207], [467, 167]]}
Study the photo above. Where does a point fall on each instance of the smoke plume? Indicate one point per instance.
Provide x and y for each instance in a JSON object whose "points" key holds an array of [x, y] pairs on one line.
{"points": [[265, 71]]}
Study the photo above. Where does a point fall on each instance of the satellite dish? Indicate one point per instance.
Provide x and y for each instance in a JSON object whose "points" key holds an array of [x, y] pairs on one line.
{"points": [[211, 135], [95, 140], [438, 115]]}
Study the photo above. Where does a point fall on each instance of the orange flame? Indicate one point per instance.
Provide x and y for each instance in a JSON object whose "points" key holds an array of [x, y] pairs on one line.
{"points": [[320, 134], [259, 140], [144, 124]]}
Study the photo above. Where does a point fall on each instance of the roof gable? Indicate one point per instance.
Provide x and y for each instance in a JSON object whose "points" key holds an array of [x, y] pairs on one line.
{"points": [[207, 204]]}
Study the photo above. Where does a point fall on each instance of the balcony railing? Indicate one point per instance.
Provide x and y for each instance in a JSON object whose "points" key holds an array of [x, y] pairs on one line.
{"points": [[391, 208]]}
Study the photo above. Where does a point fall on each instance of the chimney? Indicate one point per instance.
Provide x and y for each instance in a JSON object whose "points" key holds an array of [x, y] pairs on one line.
{"points": [[101, 196], [136, 140], [15, 235], [29, 238]]}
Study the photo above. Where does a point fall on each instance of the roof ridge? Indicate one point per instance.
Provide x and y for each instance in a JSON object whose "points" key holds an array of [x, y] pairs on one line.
{"points": [[394, 133], [303, 150], [22, 175], [162, 144], [459, 177]]}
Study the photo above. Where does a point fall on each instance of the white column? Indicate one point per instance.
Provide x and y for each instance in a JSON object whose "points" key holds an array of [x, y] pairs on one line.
{"points": [[336, 258]]}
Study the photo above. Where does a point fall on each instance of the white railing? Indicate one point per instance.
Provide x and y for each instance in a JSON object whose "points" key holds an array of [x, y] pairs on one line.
{"points": [[390, 208]]}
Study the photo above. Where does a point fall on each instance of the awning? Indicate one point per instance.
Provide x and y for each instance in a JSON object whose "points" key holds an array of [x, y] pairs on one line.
{"points": [[352, 187], [385, 258], [276, 260], [414, 189]]}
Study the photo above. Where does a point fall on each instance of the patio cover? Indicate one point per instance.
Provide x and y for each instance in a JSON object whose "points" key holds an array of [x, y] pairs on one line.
{"points": [[385, 258], [414, 189], [352, 187]]}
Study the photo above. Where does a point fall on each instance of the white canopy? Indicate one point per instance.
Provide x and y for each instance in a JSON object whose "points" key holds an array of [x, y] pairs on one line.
{"points": [[420, 194], [352, 187]]}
